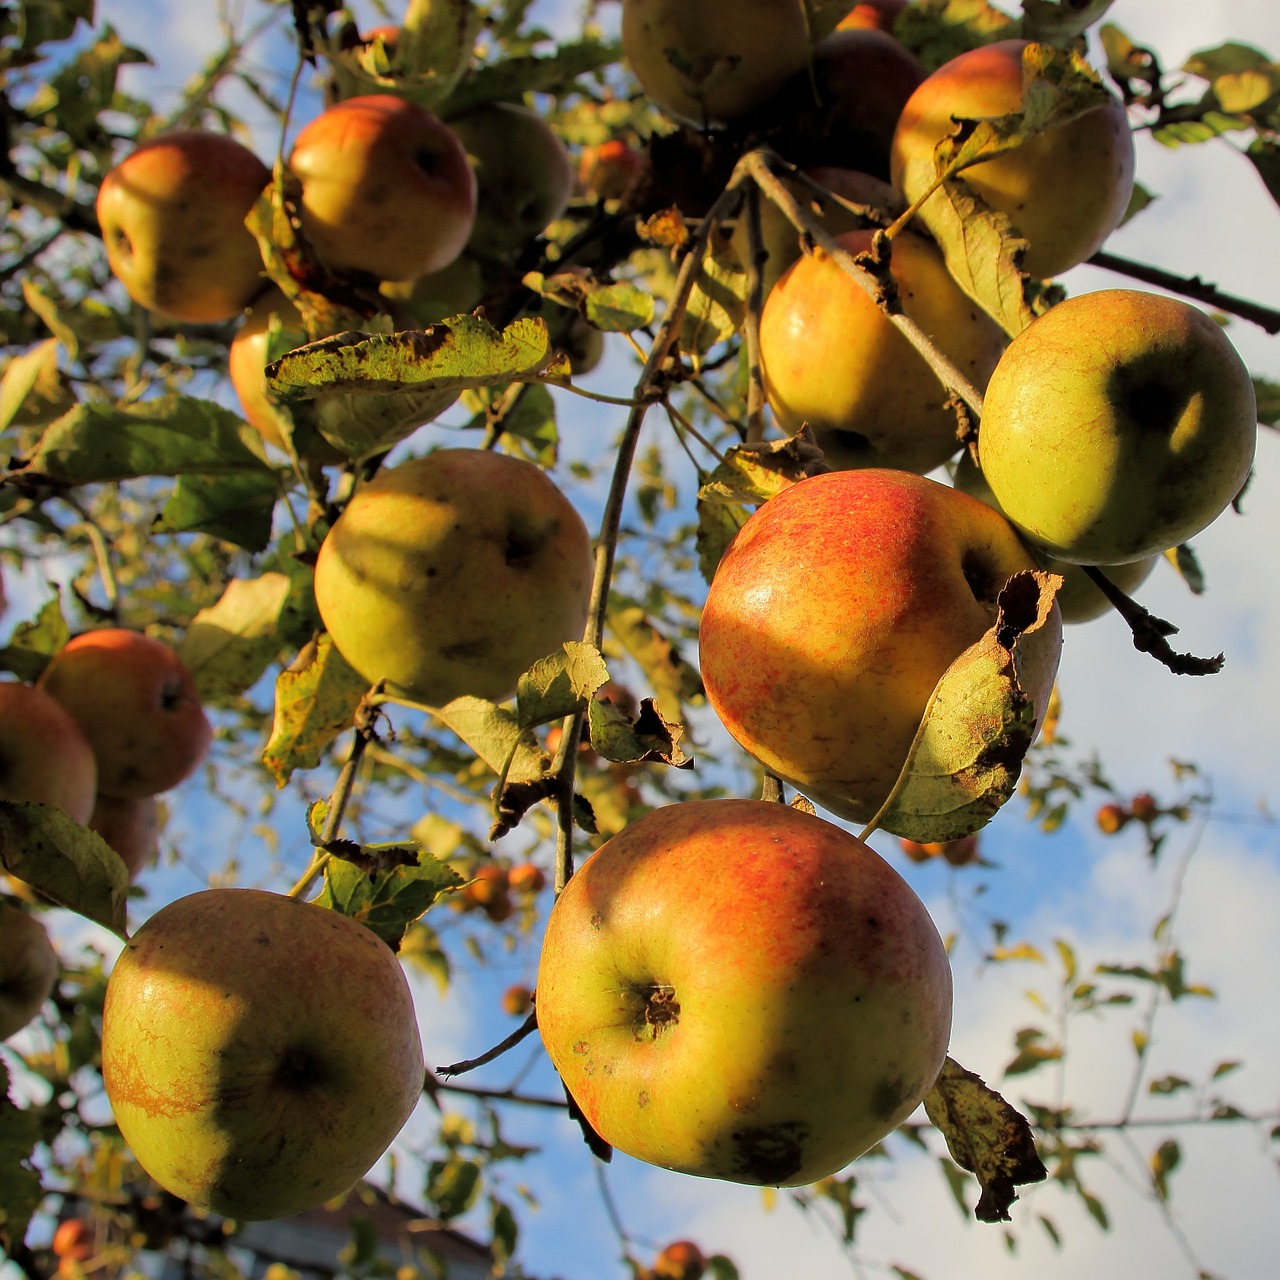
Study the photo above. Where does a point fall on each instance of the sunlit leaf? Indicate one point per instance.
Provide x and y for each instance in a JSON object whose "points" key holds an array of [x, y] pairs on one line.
{"points": [[229, 645]]}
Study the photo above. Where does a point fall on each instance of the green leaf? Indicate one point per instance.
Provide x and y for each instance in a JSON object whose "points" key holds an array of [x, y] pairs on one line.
{"points": [[512, 78], [67, 863], [24, 374], [316, 698], [978, 724], [1264, 154], [389, 900], [452, 1186], [674, 680], [751, 474], [32, 644], [1168, 1084], [986, 1136], [505, 1232], [648, 737], [611, 306], [239, 509], [169, 436], [559, 685], [229, 645], [496, 736], [717, 304], [20, 1190], [1097, 1211]]}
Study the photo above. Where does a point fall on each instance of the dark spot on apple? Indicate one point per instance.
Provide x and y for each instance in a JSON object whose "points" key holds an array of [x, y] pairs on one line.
{"points": [[263, 940], [872, 922], [465, 650], [122, 242], [171, 696], [428, 161], [299, 1068], [521, 548], [771, 1154], [642, 1099], [888, 1097], [580, 1046]]}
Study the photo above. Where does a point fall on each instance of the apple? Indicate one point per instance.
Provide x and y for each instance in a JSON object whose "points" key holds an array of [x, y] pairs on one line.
{"points": [[131, 826], [835, 611], [1117, 424], [1065, 190], [517, 1000], [74, 1241], [259, 1053], [1144, 808], [680, 1260], [527, 878], [385, 188], [833, 359], [172, 215], [610, 170], [44, 755], [247, 358], [877, 15], [714, 61], [453, 573], [739, 990], [1079, 598], [524, 175], [780, 241], [136, 704], [29, 968], [1111, 817], [452, 291], [842, 109]]}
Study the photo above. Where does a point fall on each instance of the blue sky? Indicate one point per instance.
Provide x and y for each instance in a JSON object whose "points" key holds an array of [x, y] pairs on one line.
{"points": [[1214, 219]]}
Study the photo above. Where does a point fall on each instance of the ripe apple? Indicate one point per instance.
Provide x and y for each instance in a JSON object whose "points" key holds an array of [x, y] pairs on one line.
{"points": [[44, 755], [1079, 599], [453, 573], [524, 176], [517, 1000], [738, 990], [136, 704], [680, 1260], [29, 968], [835, 611], [259, 1053], [1117, 424], [713, 62], [876, 15], [610, 170], [779, 240], [131, 826], [1111, 817], [833, 359], [527, 878], [843, 108], [1144, 807], [73, 1242], [1065, 190], [172, 216], [386, 188]]}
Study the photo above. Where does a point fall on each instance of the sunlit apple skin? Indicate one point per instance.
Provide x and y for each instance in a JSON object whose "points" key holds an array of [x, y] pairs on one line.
{"points": [[1079, 599], [29, 968], [738, 990], [172, 216], [259, 1053], [524, 175], [1065, 190], [44, 755], [386, 188], [453, 573], [876, 15], [835, 611], [136, 704], [1116, 425], [833, 359], [131, 827], [710, 63]]}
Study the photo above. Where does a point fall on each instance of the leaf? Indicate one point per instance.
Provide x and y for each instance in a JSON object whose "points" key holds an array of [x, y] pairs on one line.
{"points": [[229, 645], [1164, 1160], [20, 1189], [170, 436], [717, 304], [985, 1136], [32, 644], [648, 737], [1264, 155], [979, 722], [751, 474], [495, 735], [24, 374], [1060, 21], [1225, 1068], [1168, 1084], [67, 863], [1032, 1056], [674, 680], [316, 698], [559, 685], [512, 78], [239, 509], [611, 306], [389, 900], [452, 1186]]}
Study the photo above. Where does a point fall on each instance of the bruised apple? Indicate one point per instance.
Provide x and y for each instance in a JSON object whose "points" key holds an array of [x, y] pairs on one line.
{"points": [[453, 573], [259, 1053], [738, 990], [835, 611]]}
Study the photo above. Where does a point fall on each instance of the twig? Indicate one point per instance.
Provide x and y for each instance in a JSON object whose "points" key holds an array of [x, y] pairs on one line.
{"points": [[525, 1029]]}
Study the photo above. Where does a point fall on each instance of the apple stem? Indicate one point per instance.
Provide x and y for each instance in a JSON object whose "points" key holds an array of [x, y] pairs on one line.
{"points": [[1150, 632]]}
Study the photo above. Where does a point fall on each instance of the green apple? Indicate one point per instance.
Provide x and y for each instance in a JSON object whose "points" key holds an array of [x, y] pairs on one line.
{"points": [[716, 60], [136, 704], [833, 359], [259, 1053], [835, 611], [44, 755], [1116, 425], [172, 216], [453, 573], [1079, 598], [738, 990], [386, 189], [524, 176], [29, 968], [1065, 190]]}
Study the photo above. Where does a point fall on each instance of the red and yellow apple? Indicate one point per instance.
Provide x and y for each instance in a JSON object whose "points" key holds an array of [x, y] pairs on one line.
{"points": [[1065, 189], [386, 188], [1116, 425], [453, 573], [835, 611], [44, 755], [29, 967], [136, 704], [131, 826], [833, 359], [259, 1053], [876, 15], [172, 215], [679, 1260], [739, 990], [610, 170]]}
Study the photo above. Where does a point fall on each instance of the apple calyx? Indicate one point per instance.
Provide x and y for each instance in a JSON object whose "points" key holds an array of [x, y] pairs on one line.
{"points": [[659, 1011]]}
